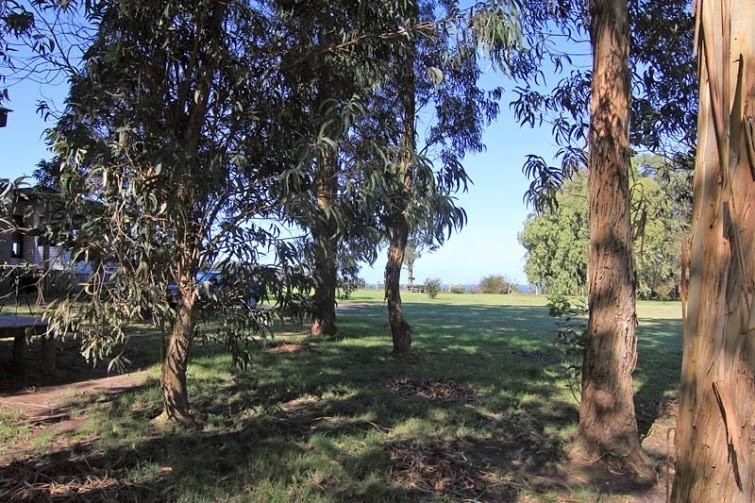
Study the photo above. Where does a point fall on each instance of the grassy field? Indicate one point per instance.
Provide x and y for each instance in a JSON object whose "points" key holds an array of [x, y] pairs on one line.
{"points": [[479, 413]]}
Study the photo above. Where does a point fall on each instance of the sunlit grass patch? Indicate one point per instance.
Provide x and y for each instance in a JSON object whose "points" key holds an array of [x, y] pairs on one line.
{"points": [[322, 424]]}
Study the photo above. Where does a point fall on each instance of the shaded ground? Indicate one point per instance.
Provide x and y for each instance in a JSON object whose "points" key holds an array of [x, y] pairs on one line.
{"points": [[54, 412], [461, 469], [444, 390], [476, 418]]}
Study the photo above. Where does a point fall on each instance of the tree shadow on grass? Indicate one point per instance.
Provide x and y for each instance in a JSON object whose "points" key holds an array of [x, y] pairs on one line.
{"points": [[329, 426], [659, 363], [70, 366], [295, 453]]}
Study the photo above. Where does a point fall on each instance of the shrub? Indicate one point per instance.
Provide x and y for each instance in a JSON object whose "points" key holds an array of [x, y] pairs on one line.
{"points": [[432, 287], [457, 289], [345, 286], [496, 284], [571, 326]]}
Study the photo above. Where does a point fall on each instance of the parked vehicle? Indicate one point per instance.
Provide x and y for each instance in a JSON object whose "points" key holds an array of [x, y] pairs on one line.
{"points": [[214, 286]]}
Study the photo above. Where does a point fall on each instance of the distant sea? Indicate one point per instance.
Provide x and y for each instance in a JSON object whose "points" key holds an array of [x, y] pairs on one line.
{"points": [[445, 287]]}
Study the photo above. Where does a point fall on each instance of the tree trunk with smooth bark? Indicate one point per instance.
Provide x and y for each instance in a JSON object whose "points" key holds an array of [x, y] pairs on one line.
{"points": [[398, 225], [401, 331], [715, 433], [326, 271], [176, 357], [189, 235], [607, 422]]}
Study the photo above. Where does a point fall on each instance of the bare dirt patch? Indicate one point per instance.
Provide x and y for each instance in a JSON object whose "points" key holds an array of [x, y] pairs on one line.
{"points": [[447, 470], [41, 401], [293, 348], [48, 412], [443, 390]]}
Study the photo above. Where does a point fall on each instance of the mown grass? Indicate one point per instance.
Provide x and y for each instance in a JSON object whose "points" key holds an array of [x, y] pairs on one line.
{"points": [[322, 426]]}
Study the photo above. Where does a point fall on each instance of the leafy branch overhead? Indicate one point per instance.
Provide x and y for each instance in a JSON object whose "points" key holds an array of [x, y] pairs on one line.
{"points": [[200, 136], [664, 96]]}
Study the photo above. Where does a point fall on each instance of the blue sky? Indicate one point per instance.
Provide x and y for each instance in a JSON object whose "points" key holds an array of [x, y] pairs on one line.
{"points": [[496, 212]]}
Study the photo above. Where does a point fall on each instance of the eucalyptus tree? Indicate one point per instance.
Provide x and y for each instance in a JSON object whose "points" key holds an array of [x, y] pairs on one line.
{"points": [[42, 41], [592, 107], [327, 66], [607, 419], [402, 174], [15, 21], [715, 433], [413, 172], [162, 147], [363, 53], [417, 243], [557, 239]]}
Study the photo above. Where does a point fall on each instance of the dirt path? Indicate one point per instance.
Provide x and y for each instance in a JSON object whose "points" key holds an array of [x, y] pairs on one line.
{"points": [[43, 401], [355, 305], [45, 412]]}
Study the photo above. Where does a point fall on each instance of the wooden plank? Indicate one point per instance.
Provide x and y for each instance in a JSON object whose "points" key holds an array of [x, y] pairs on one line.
{"points": [[19, 327]]}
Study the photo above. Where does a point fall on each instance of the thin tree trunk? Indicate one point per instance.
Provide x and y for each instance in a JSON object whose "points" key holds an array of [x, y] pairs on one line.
{"points": [[410, 271], [607, 421], [398, 225], [715, 438], [324, 319], [189, 237], [400, 329]]}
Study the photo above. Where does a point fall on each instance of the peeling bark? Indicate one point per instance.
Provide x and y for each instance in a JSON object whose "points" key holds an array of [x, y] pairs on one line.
{"points": [[715, 438], [607, 421]]}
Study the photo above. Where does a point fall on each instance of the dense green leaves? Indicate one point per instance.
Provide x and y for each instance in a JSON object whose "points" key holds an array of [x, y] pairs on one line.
{"points": [[557, 239], [197, 133], [557, 242], [158, 149], [664, 101]]}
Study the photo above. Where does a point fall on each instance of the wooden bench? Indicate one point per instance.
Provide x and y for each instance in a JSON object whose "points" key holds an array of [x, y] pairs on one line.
{"points": [[21, 327]]}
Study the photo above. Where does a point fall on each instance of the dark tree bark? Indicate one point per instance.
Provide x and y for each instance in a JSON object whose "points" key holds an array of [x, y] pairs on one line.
{"points": [[324, 319], [176, 357], [400, 329], [607, 421], [326, 181], [398, 226], [189, 237], [715, 433]]}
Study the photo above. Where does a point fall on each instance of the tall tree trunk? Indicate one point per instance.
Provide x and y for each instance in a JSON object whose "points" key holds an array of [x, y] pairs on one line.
{"points": [[398, 231], [715, 438], [326, 181], [607, 421], [176, 357], [189, 236], [326, 271]]}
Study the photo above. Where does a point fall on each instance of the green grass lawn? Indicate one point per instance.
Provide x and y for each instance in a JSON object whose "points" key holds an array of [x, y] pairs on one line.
{"points": [[349, 423]]}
